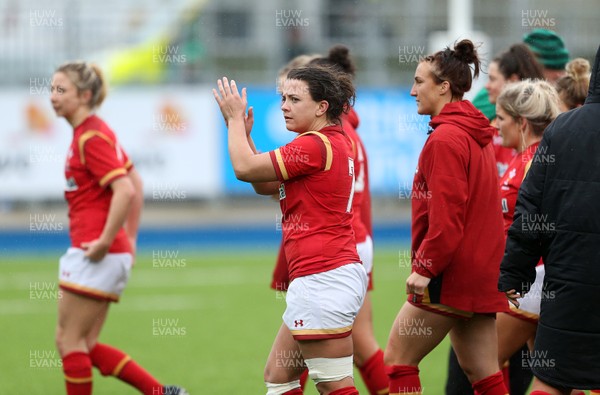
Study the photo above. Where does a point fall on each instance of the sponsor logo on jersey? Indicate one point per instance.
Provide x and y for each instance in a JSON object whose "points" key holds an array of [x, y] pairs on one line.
{"points": [[298, 323], [281, 191], [71, 185]]}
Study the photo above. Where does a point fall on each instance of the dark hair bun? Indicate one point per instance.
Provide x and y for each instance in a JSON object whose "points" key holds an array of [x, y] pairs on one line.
{"points": [[340, 55], [465, 51]]}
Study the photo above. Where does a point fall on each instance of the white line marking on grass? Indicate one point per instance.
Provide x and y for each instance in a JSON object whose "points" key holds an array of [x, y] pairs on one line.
{"points": [[154, 277], [127, 304]]}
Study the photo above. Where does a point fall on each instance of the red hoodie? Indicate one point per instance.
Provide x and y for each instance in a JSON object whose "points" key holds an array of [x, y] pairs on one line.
{"points": [[457, 226]]}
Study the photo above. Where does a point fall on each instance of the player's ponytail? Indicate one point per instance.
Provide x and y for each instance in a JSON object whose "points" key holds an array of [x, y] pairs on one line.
{"points": [[86, 76], [453, 65]]}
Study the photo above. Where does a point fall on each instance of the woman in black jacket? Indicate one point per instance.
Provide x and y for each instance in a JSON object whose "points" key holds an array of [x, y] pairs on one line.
{"points": [[557, 217]]}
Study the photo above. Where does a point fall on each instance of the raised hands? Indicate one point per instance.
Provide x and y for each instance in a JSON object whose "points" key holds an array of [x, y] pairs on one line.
{"points": [[232, 104]]}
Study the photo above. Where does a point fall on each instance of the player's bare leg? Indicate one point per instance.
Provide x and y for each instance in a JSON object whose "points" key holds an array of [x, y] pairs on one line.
{"points": [[475, 342], [285, 363], [368, 357], [407, 343], [77, 317], [363, 335], [414, 334], [513, 333]]}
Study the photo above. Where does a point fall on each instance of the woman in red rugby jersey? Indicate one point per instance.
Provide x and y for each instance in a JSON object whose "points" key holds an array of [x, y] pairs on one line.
{"points": [[314, 177], [104, 195]]}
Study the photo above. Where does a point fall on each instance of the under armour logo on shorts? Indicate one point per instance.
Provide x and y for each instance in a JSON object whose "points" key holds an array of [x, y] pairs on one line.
{"points": [[298, 323]]}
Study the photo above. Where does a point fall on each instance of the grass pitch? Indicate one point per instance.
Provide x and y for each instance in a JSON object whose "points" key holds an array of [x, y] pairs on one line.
{"points": [[201, 319]]}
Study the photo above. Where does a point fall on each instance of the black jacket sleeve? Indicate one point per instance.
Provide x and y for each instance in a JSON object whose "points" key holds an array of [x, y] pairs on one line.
{"points": [[530, 229]]}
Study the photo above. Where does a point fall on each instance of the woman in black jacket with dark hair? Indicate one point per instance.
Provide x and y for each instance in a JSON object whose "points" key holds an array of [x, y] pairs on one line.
{"points": [[557, 217]]}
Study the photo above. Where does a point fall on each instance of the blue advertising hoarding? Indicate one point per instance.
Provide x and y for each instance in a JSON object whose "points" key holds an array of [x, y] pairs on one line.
{"points": [[392, 132]]}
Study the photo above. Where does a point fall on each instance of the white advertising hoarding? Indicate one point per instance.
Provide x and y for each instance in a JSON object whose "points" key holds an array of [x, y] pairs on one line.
{"points": [[171, 134]]}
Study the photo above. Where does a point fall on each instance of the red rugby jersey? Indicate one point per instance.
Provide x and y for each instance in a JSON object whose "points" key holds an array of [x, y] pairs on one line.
{"points": [[503, 155], [511, 182], [316, 171], [95, 159], [361, 185]]}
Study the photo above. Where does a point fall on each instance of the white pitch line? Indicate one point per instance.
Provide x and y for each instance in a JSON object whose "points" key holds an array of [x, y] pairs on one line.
{"points": [[127, 304], [153, 278]]}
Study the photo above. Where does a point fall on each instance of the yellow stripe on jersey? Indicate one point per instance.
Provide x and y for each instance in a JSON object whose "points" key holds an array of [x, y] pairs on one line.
{"points": [[88, 135], [111, 174], [120, 366], [304, 332], [129, 164], [527, 166], [281, 164], [327, 143]]}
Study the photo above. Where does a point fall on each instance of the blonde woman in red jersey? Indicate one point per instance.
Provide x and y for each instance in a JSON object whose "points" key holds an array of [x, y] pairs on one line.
{"points": [[523, 110], [314, 176], [104, 195]]}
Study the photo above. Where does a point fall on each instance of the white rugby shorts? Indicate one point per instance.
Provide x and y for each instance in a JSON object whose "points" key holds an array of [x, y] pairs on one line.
{"points": [[104, 280], [324, 305]]}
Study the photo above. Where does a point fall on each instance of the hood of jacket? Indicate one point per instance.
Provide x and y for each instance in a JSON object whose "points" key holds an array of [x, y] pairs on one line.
{"points": [[465, 116]]}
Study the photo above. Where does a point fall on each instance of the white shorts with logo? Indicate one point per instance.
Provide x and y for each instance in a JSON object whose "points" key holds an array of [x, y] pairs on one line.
{"points": [[324, 305], [529, 305], [104, 280]]}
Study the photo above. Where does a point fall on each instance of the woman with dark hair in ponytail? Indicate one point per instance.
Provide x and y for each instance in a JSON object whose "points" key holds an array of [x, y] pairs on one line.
{"points": [[457, 238], [314, 178]]}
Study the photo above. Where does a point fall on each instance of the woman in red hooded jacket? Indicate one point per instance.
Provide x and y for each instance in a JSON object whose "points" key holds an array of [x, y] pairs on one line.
{"points": [[457, 238]]}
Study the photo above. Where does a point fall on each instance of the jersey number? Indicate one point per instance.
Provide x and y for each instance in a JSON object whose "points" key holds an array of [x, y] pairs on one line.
{"points": [[351, 174]]}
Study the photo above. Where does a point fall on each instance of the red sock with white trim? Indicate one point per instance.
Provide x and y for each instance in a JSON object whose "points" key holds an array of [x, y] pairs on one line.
{"points": [[404, 379], [345, 391], [373, 374], [78, 373], [491, 385], [295, 391], [538, 392], [113, 362]]}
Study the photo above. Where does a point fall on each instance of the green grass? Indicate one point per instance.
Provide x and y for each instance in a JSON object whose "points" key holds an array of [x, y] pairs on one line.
{"points": [[222, 320]]}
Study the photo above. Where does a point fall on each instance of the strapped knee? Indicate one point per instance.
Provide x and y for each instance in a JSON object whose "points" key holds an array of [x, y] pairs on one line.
{"points": [[322, 370]]}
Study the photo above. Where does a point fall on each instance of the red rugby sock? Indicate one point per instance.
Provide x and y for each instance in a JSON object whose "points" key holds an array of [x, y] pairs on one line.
{"points": [[491, 385], [373, 374], [78, 373], [345, 391], [404, 379], [538, 392], [295, 391], [114, 362]]}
